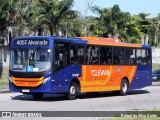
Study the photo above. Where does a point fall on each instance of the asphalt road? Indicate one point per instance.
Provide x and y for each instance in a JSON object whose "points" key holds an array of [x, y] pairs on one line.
{"points": [[137, 100], [145, 99]]}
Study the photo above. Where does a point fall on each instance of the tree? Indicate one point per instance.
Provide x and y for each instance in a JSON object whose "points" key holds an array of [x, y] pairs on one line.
{"points": [[9, 10], [89, 6], [4, 16], [143, 15], [71, 25], [50, 13], [112, 20], [132, 32], [104, 20]]}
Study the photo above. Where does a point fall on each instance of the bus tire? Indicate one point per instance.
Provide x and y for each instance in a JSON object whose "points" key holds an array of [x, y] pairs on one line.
{"points": [[37, 96], [124, 87], [72, 94]]}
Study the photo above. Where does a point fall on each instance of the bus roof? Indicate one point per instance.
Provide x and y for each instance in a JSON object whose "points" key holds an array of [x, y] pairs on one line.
{"points": [[89, 40], [101, 39], [109, 41]]}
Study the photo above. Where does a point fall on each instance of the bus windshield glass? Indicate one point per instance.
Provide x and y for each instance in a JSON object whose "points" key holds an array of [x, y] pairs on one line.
{"points": [[30, 60]]}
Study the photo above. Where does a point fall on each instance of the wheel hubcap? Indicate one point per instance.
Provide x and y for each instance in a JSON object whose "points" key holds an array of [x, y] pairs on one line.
{"points": [[124, 87], [72, 90]]}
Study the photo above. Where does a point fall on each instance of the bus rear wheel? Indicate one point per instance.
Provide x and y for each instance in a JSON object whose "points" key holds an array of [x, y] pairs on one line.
{"points": [[71, 95], [37, 96], [124, 87]]}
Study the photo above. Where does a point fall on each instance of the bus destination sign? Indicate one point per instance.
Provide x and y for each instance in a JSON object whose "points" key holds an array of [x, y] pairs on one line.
{"points": [[31, 42]]}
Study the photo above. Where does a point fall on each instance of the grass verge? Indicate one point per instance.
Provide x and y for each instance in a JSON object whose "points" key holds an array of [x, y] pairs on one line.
{"points": [[155, 66], [4, 78]]}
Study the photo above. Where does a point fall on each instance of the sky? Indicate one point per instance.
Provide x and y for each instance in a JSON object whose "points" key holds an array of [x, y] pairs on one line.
{"points": [[132, 6]]}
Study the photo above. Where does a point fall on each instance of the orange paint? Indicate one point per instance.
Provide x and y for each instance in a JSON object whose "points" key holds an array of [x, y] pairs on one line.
{"points": [[27, 82], [104, 78], [108, 41]]}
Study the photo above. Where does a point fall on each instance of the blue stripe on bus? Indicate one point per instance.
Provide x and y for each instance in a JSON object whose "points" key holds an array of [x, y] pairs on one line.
{"points": [[142, 77]]}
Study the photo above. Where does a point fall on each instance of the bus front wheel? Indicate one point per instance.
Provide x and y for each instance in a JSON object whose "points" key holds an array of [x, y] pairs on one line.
{"points": [[37, 96], [71, 95]]}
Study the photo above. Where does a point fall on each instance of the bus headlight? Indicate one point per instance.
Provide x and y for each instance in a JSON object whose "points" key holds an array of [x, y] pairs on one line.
{"points": [[46, 80]]}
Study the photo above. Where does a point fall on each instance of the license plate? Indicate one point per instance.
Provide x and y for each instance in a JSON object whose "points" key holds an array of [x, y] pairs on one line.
{"points": [[26, 90]]}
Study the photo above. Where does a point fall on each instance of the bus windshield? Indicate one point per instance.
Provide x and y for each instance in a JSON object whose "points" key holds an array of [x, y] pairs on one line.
{"points": [[30, 60]]}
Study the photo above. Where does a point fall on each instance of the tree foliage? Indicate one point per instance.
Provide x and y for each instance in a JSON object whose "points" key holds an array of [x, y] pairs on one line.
{"points": [[49, 13], [57, 17]]}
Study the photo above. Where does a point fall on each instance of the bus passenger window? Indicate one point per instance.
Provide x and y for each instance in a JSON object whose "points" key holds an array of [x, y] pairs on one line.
{"points": [[77, 54], [127, 56], [80, 54], [148, 56], [144, 57], [73, 54], [94, 55], [139, 56], [88, 54], [121, 57], [132, 59], [118, 55], [61, 58], [105, 55]]}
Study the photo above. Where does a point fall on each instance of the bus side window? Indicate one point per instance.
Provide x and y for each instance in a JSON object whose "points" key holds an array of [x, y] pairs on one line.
{"points": [[127, 56], [115, 56], [118, 55], [105, 55], [88, 54], [139, 56], [144, 57], [121, 56], [77, 54], [132, 59], [94, 55], [72, 56], [148, 56], [80, 54]]}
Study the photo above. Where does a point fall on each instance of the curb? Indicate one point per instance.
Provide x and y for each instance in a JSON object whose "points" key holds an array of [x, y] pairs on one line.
{"points": [[5, 91], [155, 83]]}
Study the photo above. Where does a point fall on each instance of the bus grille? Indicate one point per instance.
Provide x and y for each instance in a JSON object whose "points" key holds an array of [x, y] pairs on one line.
{"points": [[27, 82]]}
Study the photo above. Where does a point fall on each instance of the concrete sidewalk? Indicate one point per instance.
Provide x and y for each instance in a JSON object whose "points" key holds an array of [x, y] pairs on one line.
{"points": [[155, 83], [4, 88]]}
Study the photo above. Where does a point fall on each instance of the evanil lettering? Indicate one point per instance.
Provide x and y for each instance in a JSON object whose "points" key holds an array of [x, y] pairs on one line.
{"points": [[100, 72]]}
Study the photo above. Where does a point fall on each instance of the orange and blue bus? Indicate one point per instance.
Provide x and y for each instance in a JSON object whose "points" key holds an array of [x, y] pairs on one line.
{"points": [[47, 64]]}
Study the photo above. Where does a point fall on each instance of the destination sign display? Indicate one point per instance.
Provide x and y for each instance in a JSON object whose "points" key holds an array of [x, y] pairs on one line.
{"points": [[30, 42]]}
